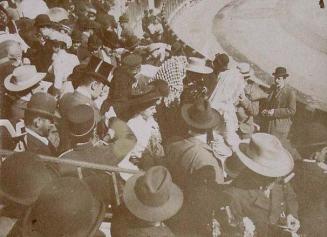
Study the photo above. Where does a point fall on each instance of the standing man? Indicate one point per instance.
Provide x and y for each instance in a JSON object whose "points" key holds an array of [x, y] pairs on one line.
{"points": [[281, 106]]}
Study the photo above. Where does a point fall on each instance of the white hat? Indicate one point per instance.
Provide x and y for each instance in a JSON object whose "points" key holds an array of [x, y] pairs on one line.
{"points": [[246, 71], [198, 65], [22, 78], [57, 14], [265, 155]]}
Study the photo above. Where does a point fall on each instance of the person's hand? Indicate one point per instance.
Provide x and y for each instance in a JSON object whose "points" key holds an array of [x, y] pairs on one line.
{"points": [[268, 112], [293, 224], [53, 136], [321, 156]]}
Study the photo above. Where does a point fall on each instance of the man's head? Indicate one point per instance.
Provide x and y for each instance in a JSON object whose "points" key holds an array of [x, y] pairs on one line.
{"points": [[280, 77], [40, 113], [132, 64], [220, 63], [123, 21], [93, 85]]}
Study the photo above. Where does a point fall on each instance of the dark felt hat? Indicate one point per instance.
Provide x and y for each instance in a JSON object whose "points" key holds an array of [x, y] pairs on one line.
{"points": [[99, 69], [43, 104], [76, 36], [132, 60], [65, 207], [22, 177], [200, 115], [81, 120], [153, 91], [94, 42], [152, 196], [43, 20], [221, 60], [280, 72], [124, 18]]}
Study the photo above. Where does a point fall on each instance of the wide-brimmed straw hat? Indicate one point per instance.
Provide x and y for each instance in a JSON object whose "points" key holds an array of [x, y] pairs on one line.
{"points": [[22, 78], [265, 155], [200, 115], [198, 65], [152, 196]]}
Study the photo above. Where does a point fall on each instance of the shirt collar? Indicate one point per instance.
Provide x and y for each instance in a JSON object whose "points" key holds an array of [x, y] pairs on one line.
{"points": [[37, 136]]}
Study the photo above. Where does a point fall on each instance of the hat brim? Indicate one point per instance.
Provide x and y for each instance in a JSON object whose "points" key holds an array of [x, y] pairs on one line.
{"points": [[283, 165], [56, 114], [31, 82], [148, 213], [22, 201], [280, 75], [214, 122], [90, 230], [199, 69], [98, 77]]}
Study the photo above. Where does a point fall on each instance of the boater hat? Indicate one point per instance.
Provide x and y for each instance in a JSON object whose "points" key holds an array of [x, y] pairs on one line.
{"points": [[265, 155], [22, 78], [198, 65], [152, 196], [200, 115]]}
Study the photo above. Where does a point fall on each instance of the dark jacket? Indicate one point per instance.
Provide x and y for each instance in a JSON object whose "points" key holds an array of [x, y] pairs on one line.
{"points": [[36, 146], [284, 104], [125, 224], [188, 155], [265, 213]]}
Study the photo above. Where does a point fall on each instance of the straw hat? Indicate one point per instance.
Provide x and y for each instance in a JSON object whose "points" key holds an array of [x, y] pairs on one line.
{"points": [[265, 155], [198, 65], [246, 71], [22, 78]]}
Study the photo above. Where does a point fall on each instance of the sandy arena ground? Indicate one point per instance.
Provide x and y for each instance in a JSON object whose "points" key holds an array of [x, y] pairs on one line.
{"points": [[266, 33]]}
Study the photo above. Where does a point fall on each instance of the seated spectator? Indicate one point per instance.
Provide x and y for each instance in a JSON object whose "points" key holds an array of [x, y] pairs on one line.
{"points": [[260, 192], [76, 212], [21, 85], [22, 178], [186, 156], [143, 125], [40, 113], [82, 125], [149, 200], [155, 29], [62, 66]]}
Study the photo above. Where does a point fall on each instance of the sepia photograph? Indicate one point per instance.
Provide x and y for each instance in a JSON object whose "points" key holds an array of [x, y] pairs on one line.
{"points": [[163, 118]]}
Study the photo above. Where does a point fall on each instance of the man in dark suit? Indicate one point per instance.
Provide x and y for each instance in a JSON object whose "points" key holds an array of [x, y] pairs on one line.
{"points": [[42, 137], [86, 148], [281, 106]]}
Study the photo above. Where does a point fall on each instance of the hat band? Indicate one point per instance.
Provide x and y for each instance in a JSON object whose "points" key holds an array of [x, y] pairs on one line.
{"points": [[86, 133], [150, 199]]}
